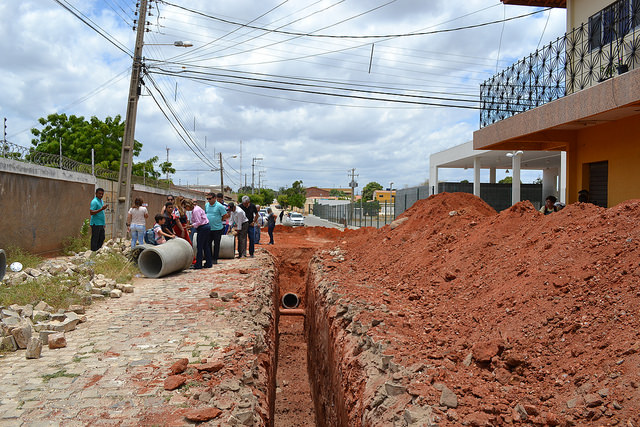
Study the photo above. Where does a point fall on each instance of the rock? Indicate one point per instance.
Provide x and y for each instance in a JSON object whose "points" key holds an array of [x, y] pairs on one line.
{"points": [[27, 311], [419, 415], [551, 419], [484, 351], [77, 309], [245, 417], [8, 343], [44, 336], [467, 360], [448, 398], [398, 222], [57, 340], [478, 419], [127, 289], [33, 272], [58, 317], [202, 414], [205, 396], [210, 367], [67, 326], [179, 366], [22, 334], [174, 381], [34, 348], [7, 313], [115, 293], [40, 316], [592, 400], [519, 413], [572, 403], [503, 376], [43, 306], [394, 389]]}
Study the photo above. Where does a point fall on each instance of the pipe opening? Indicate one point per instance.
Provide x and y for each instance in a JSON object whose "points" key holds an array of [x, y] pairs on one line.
{"points": [[150, 263], [3, 264], [290, 300]]}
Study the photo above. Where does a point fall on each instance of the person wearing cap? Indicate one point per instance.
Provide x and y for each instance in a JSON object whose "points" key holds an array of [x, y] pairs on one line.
{"points": [[252, 214], [240, 225]]}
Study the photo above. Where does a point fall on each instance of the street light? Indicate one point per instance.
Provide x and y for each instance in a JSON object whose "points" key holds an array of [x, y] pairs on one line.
{"points": [[178, 43]]}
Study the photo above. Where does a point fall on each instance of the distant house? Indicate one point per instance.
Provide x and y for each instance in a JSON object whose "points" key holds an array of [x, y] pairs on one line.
{"points": [[315, 192], [384, 196], [580, 95]]}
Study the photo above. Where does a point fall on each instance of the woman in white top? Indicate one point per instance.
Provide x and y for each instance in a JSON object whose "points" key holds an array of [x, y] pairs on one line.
{"points": [[136, 223]]}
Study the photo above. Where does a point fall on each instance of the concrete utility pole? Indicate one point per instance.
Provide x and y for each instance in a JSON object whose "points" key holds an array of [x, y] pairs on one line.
{"points": [[221, 176], [353, 184], [253, 173], [123, 200], [4, 137]]}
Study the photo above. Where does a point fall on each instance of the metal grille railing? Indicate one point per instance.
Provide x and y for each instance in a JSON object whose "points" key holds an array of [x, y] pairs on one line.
{"points": [[357, 214], [596, 51], [13, 151]]}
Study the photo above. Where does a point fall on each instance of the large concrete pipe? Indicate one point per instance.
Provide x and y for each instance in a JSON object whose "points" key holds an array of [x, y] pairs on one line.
{"points": [[227, 246], [157, 261], [3, 263], [290, 300]]}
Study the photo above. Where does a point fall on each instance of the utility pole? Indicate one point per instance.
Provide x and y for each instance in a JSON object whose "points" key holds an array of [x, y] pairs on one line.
{"points": [[4, 138], [260, 180], [126, 158], [253, 173], [353, 184], [221, 176]]}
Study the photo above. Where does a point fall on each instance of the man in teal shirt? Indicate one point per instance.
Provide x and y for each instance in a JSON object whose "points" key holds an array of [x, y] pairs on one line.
{"points": [[98, 220], [216, 212]]}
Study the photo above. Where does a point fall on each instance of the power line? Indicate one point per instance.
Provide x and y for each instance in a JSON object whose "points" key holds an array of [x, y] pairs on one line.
{"points": [[333, 36], [95, 27]]}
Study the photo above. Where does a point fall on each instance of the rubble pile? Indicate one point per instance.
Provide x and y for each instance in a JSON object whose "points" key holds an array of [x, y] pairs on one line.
{"points": [[32, 326]]}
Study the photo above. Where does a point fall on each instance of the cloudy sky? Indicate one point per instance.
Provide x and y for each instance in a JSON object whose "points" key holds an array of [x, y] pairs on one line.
{"points": [[264, 80]]}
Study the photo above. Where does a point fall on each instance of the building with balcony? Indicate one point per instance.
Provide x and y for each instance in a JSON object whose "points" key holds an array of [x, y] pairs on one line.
{"points": [[580, 95]]}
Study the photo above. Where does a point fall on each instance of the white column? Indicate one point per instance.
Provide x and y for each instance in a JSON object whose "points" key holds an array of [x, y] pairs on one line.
{"points": [[492, 175], [476, 176], [433, 179], [515, 185], [549, 182], [563, 177]]}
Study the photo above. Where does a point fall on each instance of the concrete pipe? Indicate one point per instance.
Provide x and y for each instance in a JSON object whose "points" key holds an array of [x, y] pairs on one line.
{"points": [[290, 300], [157, 261], [3, 263], [227, 246]]}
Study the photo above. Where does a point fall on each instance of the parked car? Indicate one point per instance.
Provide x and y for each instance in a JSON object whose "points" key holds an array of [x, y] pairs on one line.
{"points": [[294, 219]]}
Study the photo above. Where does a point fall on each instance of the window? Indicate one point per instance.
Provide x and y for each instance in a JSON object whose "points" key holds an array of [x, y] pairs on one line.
{"points": [[613, 22]]}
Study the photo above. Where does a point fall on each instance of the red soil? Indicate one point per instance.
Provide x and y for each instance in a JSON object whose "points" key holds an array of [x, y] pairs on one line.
{"points": [[559, 295]]}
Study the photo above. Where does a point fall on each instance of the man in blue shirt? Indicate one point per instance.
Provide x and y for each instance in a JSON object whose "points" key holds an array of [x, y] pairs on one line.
{"points": [[98, 220], [215, 213]]}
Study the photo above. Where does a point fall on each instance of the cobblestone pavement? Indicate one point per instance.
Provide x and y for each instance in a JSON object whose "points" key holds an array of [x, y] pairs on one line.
{"points": [[113, 368]]}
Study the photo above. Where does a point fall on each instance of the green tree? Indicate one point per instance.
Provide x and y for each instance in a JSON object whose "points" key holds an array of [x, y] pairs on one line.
{"points": [[371, 208], [337, 193], [78, 136], [267, 196], [166, 168], [146, 168], [283, 201], [296, 195], [367, 191], [506, 180]]}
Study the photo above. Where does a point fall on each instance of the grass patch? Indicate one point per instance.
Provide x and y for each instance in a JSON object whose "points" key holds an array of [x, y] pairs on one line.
{"points": [[80, 243], [27, 259], [195, 353], [61, 373], [56, 291], [115, 266]]}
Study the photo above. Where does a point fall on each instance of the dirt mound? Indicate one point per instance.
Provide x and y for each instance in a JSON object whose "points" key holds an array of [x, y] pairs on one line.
{"points": [[525, 317]]}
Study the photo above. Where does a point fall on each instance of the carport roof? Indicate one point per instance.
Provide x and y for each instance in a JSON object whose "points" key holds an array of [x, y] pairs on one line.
{"points": [[462, 156]]}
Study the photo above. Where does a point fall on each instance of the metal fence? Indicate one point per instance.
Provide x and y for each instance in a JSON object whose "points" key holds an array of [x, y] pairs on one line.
{"points": [[13, 151], [608, 44], [358, 214]]}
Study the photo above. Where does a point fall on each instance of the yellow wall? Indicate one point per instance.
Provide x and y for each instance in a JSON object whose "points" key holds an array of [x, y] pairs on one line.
{"points": [[383, 196], [619, 144]]}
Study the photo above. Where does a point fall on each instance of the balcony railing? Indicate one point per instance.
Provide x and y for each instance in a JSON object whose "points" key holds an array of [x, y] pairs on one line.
{"points": [[609, 44]]}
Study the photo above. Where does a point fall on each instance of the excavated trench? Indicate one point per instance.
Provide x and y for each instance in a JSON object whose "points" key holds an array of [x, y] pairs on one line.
{"points": [[293, 397]]}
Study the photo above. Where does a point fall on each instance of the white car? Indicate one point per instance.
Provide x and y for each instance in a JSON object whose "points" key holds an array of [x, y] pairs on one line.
{"points": [[294, 219]]}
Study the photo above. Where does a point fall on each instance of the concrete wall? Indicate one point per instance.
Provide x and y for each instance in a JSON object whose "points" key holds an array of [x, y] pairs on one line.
{"points": [[40, 207]]}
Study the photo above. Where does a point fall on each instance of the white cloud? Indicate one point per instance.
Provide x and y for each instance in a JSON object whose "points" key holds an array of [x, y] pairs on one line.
{"points": [[51, 61]]}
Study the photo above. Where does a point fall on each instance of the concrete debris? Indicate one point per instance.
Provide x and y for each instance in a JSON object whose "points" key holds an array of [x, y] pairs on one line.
{"points": [[34, 348]]}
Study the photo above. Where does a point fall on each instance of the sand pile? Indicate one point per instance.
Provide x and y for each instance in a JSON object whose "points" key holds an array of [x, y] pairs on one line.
{"points": [[525, 317]]}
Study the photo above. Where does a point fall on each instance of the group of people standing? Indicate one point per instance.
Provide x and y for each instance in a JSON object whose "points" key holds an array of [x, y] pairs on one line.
{"points": [[181, 217]]}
